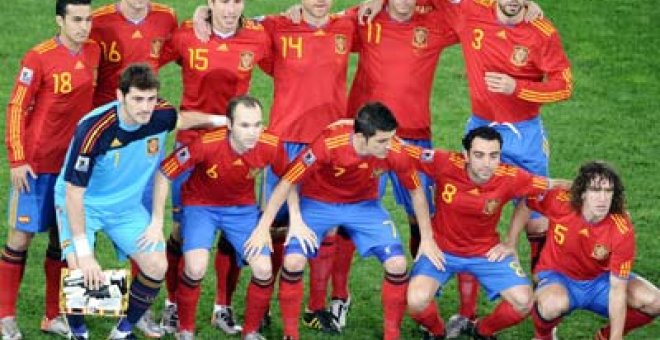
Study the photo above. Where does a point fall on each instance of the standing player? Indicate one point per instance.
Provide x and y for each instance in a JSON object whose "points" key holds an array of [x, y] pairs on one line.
{"points": [[471, 191], [339, 175], [213, 72], [53, 91], [220, 195], [114, 153], [589, 225], [129, 31]]}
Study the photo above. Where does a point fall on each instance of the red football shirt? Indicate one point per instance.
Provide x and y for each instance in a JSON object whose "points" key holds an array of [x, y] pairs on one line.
{"points": [[52, 92], [467, 214], [531, 53], [579, 249], [220, 176], [309, 68], [215, 71], [124, 42], [331, 171], [396, 67]]}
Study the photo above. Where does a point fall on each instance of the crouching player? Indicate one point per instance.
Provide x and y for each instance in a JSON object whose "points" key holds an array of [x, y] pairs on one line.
{"points": [[220, 195], [472, 189], [589, 226]]}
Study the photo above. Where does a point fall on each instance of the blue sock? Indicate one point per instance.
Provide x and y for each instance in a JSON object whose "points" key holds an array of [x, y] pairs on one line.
{"points": [[124, 325], [143, 293], [77, 324]]}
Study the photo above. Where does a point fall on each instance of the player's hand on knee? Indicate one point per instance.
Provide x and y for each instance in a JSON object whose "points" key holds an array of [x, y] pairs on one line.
{"points": [[431, 250], [259, 239], [19, 179], [92, 274], [500, 252], [294, 13], [151, 237], [534, 12], [298, 229], [368, 11], [202, 23]]}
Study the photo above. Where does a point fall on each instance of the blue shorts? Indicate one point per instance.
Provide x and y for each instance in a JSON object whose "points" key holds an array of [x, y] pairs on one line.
{"points": [[270, 179], [200, 224], [495, 277], [124, 228], [33, 211], [524, 144], [401, 194], [592, 295], [366, 222]]}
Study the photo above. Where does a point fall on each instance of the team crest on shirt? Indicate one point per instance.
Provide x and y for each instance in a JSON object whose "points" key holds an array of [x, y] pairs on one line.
{"points": [[156, 47], [420, 37], [519, 55], [340, 44], [491, 206], [600, 252], [153, 146], [246, 61], [26, 76]]}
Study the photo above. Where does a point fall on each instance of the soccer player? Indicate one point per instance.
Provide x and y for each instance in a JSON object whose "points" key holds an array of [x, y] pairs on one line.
{"points": [[590, 226], [219, 195], [114, 153], [213, 72], [129, 31], [472, 189], [339, 175], [53, 90]]}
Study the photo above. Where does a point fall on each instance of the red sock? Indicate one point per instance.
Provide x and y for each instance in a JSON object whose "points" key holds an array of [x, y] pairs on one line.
{"points": [[226, 273], [53, 269], [393, 298], [504, 316], [290, 298], [187, 296], [536, 243], [430, 319], [174, 254], [634, 319], [12, 267], [135, 269], [542, 327], [468, 291], [320, 269], [257, 303], [341, 267], [415, 238]]}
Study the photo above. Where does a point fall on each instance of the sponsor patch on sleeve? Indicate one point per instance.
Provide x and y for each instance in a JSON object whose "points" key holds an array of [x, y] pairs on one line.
{"points": [[309, 158], [183, 155], [82, 164], [26, 76], [427, 156]]}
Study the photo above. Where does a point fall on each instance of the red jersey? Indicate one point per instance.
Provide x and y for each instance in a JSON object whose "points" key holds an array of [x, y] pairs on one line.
{"points": [[331, 171], [124, 42], [309, 68], [220, 176], [52, 92], [531, 53], [467, 214], [397, 65], [583, 250], [215, 71]]}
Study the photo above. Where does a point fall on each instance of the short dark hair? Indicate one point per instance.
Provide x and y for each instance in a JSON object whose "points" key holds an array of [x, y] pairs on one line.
{"points": [[139, 76], [60, 5], [598, 170], [245, 100], [483, 132], [373, 117]]}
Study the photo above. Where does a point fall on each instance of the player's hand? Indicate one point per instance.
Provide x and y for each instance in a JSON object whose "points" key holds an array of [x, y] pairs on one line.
{"points": [[294, 13], [19, 180], [259, 239], [500, 83], [306, 237], [202, 23], [500, 252], [152, 236], [430, 249], [93, 277], [534, 12], [368, 11]]}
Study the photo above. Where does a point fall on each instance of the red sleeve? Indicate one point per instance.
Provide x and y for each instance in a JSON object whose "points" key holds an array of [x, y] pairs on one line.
{"points": [[22, 98], [171, 48], [623, 246], [550, 202], [558, 84], [307, 161], [527, 184], [403, 164], [266, 64], [279, 159], [182, 159]]}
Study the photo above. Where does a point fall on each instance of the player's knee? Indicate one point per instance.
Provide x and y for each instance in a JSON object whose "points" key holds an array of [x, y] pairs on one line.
{"points": [[19, 240], [521, 299], [418, 298], [262, 268], [395, 265], [155, 265], [549, 307], [294, 262], [195, 269]]}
